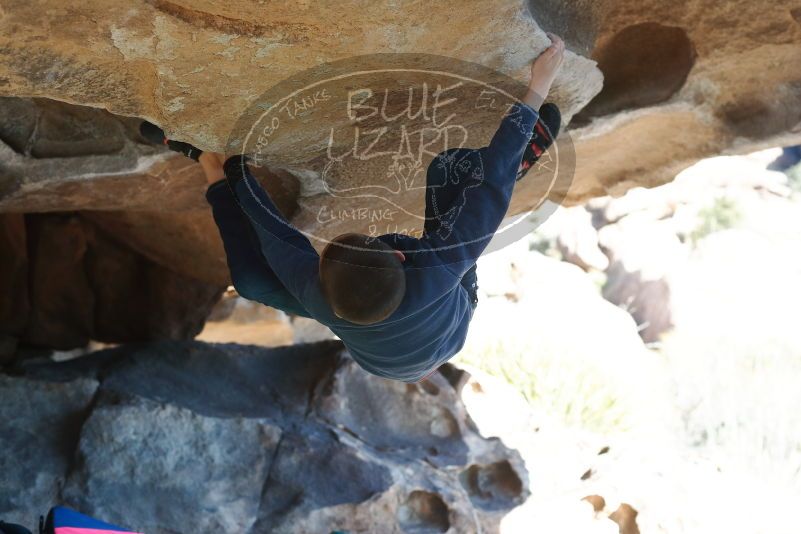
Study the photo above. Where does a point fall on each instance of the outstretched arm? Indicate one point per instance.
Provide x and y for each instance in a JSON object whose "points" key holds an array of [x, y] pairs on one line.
{"points": [[543, 72], [251, 275], [489, 187], [288, 252]]}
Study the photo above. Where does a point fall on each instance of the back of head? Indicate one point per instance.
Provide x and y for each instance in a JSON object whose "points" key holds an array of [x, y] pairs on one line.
{"points": [[362, 278]]}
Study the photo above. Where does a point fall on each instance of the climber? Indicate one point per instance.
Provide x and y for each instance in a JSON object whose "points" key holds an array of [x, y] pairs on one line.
{"points": [[401, 305]]}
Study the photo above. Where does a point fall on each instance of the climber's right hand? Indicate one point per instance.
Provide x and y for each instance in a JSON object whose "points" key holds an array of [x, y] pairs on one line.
{"points": [[543, 71]]}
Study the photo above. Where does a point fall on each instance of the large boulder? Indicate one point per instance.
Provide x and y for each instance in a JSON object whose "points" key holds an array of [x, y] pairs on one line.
{"points": [[196, 67], [192, 437], [48, 143], [40, 423], [168, 461]]}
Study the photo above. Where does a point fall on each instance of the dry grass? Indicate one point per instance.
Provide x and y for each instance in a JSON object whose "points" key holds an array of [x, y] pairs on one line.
{"points": [[568, 389]]}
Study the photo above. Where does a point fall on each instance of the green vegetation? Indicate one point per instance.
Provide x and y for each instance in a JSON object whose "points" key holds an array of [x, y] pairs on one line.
{"points": [[540, 244], [723, 214], [567, 388], [794, 177]]}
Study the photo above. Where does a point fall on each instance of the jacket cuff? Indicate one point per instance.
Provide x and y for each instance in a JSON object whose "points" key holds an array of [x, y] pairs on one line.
{"points": [[527, 112], [215, 190], [235, 168]]}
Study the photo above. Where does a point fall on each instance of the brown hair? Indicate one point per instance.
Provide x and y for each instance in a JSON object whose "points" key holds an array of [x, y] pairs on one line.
{"points": [[362, 278]]}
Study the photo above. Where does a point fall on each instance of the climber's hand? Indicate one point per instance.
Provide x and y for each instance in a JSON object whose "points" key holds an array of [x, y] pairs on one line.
{"points": [[543, 72]]}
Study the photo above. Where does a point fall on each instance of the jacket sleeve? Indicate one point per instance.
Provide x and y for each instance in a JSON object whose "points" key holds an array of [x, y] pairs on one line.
{"points": [[251, 275], [487, 184], [288, 252]]}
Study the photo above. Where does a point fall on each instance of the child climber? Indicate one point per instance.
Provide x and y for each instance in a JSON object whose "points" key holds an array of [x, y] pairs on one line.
{"points": [[401, 305]]}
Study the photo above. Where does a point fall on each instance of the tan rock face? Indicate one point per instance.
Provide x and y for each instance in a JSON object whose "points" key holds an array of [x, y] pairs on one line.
{"points": [[197, 68], [194, 67], [682, 80]]}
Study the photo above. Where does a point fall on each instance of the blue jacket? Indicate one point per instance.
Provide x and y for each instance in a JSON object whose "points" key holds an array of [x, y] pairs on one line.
{"points": [[430, 325]]}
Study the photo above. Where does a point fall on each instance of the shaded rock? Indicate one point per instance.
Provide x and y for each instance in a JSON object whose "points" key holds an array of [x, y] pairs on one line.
{"points": [[492, 486], [248, 381], [70, 282], [423, 512], [388, 413], [643, 64], [14, 305], [43, 128], [44, 142], [63, 157], [193, 437], [401, 509], [183, 237], [136, 299], [186, 242], [62, 301], [225, 380], [315, 470], [145, 465], [39, 427], [420, 497]]}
